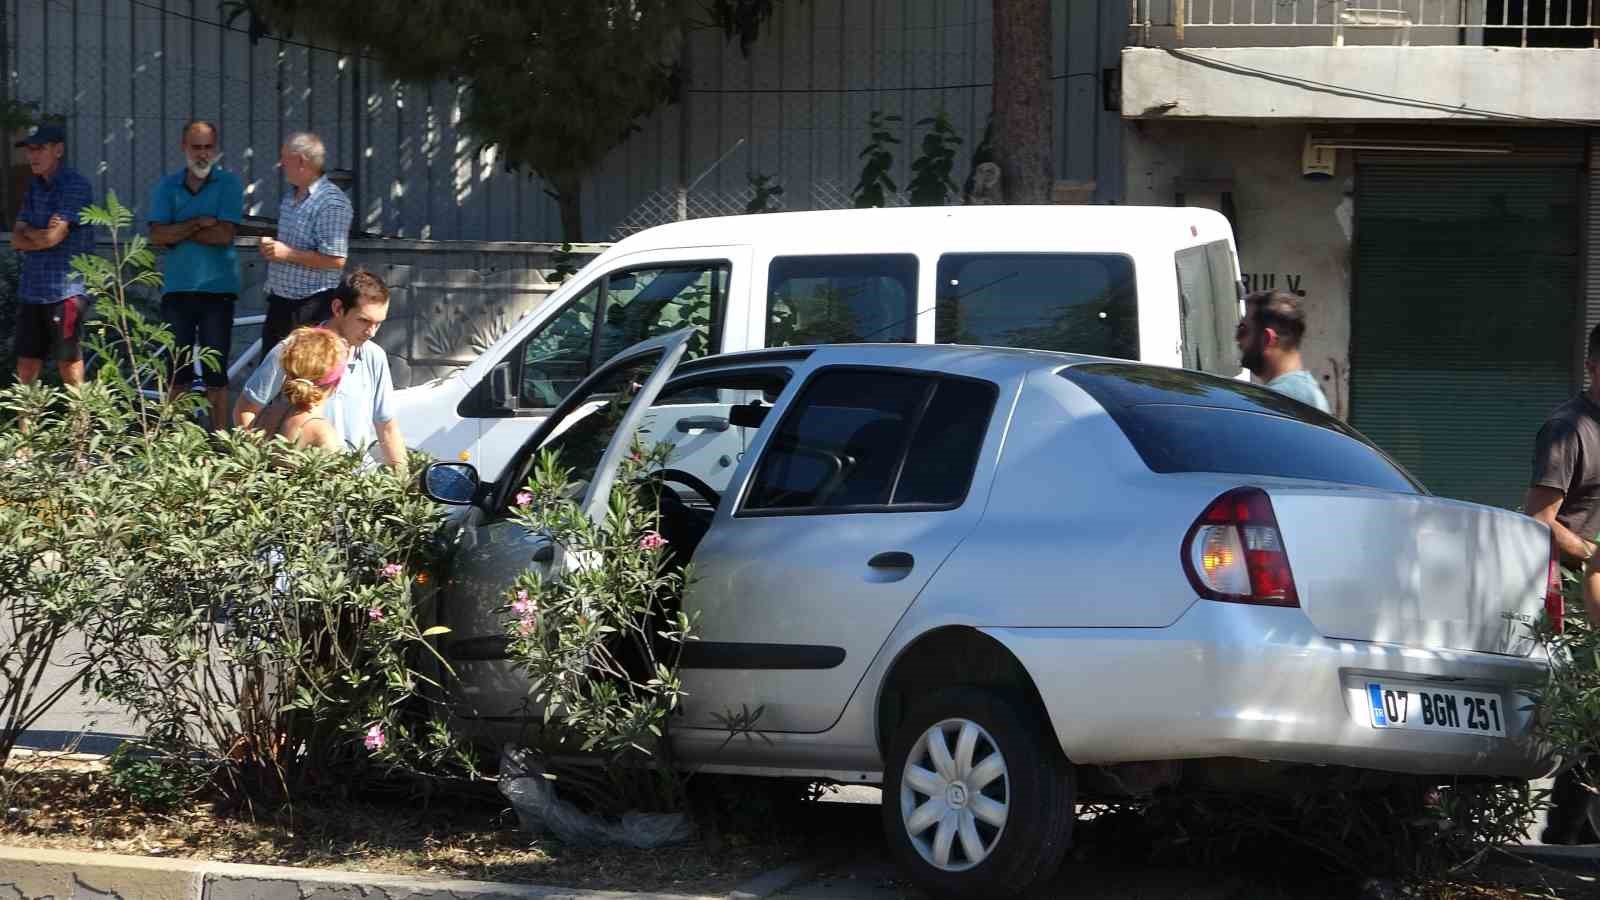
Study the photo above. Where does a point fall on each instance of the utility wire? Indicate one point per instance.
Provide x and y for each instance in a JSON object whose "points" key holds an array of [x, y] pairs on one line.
{"points": [[223, 26]]}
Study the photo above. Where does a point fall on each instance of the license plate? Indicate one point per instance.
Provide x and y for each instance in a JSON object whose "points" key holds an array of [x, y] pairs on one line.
{"points": [[1436, 709]]}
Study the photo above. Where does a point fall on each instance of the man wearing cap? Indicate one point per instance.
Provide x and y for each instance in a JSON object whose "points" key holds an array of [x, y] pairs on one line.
{"points": [[51, 304], [193, 213]]}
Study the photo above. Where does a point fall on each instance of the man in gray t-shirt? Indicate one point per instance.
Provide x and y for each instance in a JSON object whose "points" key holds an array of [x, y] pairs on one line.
{"points": [[363, 407], [1269, 346], [1564, 493]]}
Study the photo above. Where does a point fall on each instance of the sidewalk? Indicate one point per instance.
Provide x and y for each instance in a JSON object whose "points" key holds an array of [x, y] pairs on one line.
{"points": [[74, 875]]}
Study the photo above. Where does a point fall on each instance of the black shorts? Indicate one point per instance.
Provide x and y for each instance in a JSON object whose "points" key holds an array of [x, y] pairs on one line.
{"points": [[42, 327], [285, 315], [205, 319]]}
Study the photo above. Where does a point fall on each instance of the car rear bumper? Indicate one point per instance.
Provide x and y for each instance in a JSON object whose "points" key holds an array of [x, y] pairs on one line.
{"points": [[1230, 680]]}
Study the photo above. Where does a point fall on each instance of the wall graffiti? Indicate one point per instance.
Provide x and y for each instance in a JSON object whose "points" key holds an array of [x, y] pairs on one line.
{"points": [[1268, 281]]}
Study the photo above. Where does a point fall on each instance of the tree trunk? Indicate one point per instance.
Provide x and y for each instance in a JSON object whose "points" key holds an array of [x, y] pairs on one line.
{"points": [[1022, 125], [569, 199]]}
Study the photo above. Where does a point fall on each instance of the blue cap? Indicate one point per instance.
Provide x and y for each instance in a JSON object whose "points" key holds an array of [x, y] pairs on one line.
{"points": [[44, 134]]}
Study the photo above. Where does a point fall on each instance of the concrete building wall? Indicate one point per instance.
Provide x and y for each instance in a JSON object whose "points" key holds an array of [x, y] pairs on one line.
{"points": [[1293, 233], [1371, 84]]}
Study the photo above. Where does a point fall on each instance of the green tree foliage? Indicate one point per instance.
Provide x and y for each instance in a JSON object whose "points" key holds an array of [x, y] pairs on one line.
{"points": [[930, 173], [875, 184], [553, 85]]}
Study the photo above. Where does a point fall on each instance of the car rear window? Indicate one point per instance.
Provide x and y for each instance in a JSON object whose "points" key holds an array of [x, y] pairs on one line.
{"points": [[1181, 421]]}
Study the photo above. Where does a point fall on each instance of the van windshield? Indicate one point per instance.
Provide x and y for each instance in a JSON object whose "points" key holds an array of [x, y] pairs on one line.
{"points": [[1071, 302]]}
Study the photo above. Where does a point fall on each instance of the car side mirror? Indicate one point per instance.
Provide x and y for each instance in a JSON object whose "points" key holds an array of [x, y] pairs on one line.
{"points": [[500, 386], [452, 483], [748, 415]]}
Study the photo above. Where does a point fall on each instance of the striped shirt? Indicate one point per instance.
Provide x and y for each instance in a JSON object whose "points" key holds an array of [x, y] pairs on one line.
{"points": [[320, 222]]}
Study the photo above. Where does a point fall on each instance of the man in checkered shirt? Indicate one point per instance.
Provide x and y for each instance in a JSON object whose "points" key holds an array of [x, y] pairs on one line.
{"points": [[306, 261], [49, 232]]}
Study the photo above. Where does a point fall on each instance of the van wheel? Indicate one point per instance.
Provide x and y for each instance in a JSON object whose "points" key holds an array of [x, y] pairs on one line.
{"points": [[977, 801]]}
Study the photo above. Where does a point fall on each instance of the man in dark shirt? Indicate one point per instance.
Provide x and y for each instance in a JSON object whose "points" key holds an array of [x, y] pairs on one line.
{"points": [[1565, 495], [1565, 492]]}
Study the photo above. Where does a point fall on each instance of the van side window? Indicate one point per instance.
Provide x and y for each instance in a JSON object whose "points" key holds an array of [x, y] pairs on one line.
{"points": [[1209, 302], [631, 305], [1071, 302], [842, 299]]}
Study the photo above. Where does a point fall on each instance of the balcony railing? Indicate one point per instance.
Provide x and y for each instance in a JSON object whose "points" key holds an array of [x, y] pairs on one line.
{"points": [[1502, 23]]}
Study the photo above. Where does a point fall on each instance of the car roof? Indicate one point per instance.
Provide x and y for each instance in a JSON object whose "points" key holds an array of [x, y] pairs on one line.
{"points": [[995, 362], [1026, 228]]}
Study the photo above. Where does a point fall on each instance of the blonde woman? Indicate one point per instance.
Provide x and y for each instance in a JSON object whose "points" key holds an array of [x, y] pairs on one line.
{"points": [[313, 361]]}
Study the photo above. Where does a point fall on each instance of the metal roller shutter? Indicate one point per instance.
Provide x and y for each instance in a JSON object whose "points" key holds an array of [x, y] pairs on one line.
{"points": [[1591, 269], [1467, 284]]}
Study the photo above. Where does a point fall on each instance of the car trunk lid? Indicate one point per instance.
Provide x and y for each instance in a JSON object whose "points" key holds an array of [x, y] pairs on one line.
{"points": [[1414, 570]]}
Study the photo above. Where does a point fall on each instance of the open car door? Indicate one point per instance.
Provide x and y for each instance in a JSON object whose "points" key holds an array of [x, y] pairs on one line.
{"points": [[592, 429]]}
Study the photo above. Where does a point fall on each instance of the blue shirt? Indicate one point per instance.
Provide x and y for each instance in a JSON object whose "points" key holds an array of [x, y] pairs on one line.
{"points": [[47, 275], [320, 222], [191, 266], [363, 399], [1300, 385]]}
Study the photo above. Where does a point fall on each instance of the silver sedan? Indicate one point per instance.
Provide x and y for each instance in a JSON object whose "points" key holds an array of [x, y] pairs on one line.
{"points": [[1001, 581]]}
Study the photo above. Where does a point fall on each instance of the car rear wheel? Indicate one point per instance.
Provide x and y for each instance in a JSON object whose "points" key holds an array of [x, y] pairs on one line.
{"points": [[978, 798]]}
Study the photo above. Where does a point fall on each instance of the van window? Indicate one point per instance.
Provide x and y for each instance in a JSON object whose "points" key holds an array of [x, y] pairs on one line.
{"points": [[1209, 300], [632, 305], [842, 299], [1071, 302]]}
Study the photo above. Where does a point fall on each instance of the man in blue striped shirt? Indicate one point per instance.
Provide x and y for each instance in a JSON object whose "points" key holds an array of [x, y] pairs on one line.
{"points": [[305, 261], [49, 232]]}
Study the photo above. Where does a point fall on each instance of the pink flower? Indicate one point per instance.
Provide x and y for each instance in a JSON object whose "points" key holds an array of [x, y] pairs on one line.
{"points": [[375, 614], [391, 570], [524, 498], [528, 623], [523, 605], [375, 738], [652, 541]]}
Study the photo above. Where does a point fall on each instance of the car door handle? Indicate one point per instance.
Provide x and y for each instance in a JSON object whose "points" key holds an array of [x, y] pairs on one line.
{"points": [[894, 559], [705, 423]]}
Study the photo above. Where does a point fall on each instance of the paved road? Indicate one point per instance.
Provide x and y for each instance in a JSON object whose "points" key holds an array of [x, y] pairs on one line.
{"points": [[860, 869], [98, 727]]}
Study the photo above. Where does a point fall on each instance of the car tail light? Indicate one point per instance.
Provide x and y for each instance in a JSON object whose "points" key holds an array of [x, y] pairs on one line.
{"points": [[1234, 552], [1555, 605]]}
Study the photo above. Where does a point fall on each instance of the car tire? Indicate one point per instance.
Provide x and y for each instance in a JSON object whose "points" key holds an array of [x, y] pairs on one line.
{"points": [[1002, 823]]}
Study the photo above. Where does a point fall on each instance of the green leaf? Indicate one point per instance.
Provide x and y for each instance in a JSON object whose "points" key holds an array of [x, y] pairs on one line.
{"points": [[436, 630]]}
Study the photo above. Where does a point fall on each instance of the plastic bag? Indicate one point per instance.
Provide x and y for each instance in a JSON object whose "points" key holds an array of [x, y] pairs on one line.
{"points": [[541, 811]]}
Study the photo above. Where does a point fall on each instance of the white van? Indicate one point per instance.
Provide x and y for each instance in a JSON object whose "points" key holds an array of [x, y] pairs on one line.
{"points": [[1156, 284]]}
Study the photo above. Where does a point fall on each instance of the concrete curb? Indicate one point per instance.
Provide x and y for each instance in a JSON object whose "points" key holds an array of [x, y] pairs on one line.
{"points": [[1585, 856], [33, 874]]}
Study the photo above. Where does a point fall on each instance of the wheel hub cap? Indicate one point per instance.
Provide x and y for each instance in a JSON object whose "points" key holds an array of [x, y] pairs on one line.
{"points": [[955, 795]]}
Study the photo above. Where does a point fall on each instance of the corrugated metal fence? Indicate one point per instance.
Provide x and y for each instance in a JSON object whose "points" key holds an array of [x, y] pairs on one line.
{"points": [[128, 73]]}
